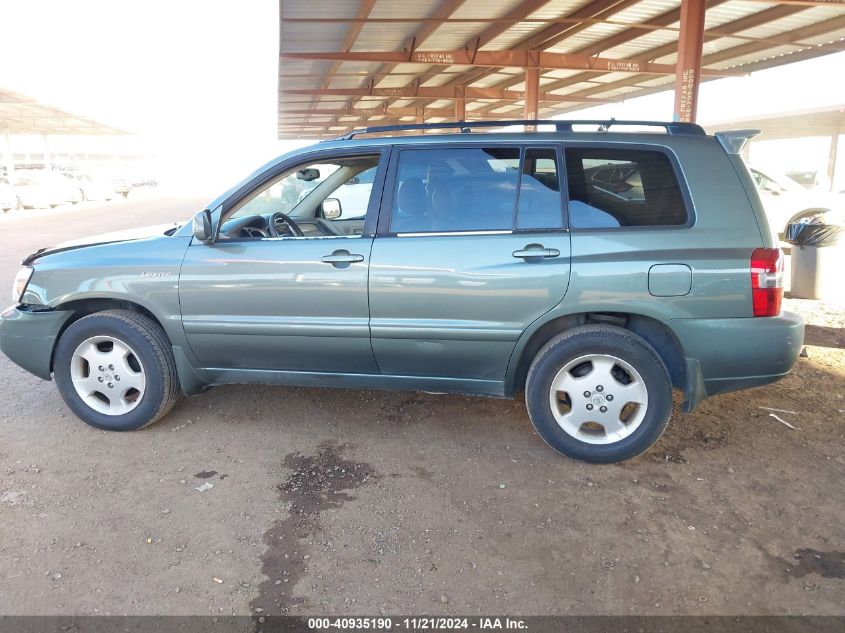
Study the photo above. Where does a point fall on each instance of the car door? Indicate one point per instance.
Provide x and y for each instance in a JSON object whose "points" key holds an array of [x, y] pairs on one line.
{"points": [[472, 247], [253, 301]]}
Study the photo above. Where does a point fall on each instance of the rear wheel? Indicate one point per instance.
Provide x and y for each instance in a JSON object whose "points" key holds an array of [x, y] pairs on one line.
{"points": [[115, 370], [599, 394]]}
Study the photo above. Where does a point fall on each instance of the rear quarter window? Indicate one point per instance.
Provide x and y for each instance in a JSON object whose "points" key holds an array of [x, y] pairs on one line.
{"points": [[619, 187]]}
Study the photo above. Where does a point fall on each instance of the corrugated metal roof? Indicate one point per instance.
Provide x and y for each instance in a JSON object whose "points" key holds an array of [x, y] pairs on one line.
{"points": [[329, 93], [20, 114]]}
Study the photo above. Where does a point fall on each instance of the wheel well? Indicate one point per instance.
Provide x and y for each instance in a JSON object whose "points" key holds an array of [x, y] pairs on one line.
{"points": [[658, 335], [84, 307]]}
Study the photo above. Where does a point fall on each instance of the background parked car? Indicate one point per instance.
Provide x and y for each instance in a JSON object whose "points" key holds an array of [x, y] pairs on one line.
{"points": [[92, 187], [39, 188], [122, 187], [786, 201], [34, 189], [8, 200]]}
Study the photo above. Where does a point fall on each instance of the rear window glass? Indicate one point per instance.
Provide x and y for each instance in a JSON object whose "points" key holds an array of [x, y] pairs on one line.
{"points": [[615, 187], [461, 189]]}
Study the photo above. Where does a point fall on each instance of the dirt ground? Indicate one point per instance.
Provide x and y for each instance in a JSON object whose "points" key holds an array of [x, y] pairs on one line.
{"points": [[362, 502]]}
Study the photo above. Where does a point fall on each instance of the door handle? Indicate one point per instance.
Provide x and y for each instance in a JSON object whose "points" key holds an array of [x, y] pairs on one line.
{"points": [[341, 258], [536, 252]]}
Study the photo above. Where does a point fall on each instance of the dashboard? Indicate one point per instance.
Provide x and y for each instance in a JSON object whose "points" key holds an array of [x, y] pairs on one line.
{"points": [[276, 225]]}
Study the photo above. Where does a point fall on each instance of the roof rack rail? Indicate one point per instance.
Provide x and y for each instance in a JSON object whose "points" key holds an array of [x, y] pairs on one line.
{"points": [[671, 127]]}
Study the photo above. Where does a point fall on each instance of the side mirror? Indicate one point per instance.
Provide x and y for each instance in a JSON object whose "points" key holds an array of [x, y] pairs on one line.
{"points": [[308, 174], [331, 209], [203, 227]]}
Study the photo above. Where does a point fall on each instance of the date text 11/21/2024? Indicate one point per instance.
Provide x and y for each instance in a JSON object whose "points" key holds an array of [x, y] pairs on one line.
{"points": [[417, 623]]}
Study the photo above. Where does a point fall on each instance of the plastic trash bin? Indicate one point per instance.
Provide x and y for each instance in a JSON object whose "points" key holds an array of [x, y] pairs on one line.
{"points": [[818, 261]]}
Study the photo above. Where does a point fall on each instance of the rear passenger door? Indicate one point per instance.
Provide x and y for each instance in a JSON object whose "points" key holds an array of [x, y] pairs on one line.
{"points": [[630, 218], [472, 247]]}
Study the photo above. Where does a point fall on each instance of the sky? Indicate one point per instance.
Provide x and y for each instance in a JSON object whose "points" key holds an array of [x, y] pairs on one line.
{"points": [[196, 80]]}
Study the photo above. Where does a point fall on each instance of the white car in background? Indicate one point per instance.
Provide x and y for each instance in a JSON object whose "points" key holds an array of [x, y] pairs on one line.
{"points": [[91, 187], [8, 199], [36, 188], [786, 201]]}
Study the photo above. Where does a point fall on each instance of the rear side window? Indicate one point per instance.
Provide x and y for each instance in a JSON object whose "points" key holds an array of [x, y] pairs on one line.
{"points": [[616, 187], [460, 189]]}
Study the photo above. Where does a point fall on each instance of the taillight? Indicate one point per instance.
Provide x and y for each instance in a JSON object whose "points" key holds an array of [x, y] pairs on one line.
{"points": [[766, 281]]}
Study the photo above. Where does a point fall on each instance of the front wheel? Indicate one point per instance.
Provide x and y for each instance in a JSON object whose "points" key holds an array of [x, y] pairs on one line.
{"points": [[599, 394], [115, 370]]}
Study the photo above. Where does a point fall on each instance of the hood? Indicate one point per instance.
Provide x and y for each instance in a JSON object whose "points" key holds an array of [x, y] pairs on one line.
{"points": [[105, 238]]}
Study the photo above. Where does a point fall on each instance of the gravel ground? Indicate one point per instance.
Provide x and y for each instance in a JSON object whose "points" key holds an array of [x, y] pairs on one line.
{"points": [[360, 502]]}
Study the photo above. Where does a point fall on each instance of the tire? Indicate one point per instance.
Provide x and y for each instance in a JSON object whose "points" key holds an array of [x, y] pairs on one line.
{"points": [[19, 204], [616, 360], [116, 405]]}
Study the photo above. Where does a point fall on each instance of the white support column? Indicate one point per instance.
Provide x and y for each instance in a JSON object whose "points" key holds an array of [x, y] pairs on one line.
{"points": [[48, 162], [8, 156], [832, 157]]}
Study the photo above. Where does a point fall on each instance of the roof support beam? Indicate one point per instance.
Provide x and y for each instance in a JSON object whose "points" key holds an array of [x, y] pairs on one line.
{"points": [[690, 46], [532, 91], [436, 92], [674, 15], [444, 10], [812, 30], [503, 59], [521, 11], [460, 104], [545, 38], [805, 3]]}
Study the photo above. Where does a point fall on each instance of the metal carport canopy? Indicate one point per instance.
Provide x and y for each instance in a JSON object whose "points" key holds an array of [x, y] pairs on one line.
{"points": [[20, 114], [347, 63]]}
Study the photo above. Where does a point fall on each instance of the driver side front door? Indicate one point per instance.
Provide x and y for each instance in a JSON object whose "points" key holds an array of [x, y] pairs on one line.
{"points": [[292, 304]]}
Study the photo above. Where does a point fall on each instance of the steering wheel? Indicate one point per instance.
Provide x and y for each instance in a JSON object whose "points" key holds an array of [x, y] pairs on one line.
{"points": [[293, 227]]}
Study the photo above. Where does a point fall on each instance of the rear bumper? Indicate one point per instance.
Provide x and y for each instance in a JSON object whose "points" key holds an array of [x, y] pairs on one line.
{"points": [[729, 354], [27, 337]]}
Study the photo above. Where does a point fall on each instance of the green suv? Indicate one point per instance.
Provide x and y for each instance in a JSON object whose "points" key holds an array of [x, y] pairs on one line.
{"points": [[596, 271]]}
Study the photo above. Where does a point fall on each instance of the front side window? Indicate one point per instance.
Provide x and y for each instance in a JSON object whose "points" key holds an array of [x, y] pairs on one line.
{"points": [[324, 198], [616, 187], [460, 189]]}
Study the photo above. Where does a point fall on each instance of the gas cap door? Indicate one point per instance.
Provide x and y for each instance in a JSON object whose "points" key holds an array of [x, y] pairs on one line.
{"points": [[669, 280]]}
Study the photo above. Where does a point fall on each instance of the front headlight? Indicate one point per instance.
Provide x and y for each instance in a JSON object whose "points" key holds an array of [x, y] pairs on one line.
{"points": [[21, 280]]}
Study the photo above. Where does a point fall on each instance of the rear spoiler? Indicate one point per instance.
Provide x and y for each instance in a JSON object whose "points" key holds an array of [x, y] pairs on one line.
{"points": [[733, 141]]}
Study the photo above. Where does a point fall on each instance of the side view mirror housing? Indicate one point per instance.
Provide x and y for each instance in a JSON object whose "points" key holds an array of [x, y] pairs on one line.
{"points": [[331, 209], [204, 227]]}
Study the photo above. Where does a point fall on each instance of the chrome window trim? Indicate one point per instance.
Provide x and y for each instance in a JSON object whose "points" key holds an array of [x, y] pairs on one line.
{"points": [[305, 237], [445, 233]]}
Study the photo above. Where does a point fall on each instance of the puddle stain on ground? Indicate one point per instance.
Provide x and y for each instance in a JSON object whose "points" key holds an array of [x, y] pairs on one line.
{"points": [[206, 474], [810, 561], [318, 482], [674, 449]]}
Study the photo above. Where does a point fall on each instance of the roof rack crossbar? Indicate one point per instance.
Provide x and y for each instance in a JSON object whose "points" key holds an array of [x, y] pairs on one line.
{"points": [[560, 125]]}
